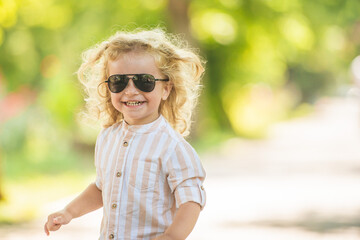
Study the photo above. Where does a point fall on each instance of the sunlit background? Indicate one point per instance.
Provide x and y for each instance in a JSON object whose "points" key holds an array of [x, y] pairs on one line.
{"points": [[277, 126]]}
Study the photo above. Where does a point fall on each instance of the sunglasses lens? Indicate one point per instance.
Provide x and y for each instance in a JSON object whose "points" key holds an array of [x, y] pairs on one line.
{"points": [[117, 83], [145, 82]]}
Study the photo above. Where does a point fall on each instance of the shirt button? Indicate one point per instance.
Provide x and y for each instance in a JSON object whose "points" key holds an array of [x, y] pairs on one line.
{"points": [[118, 174], [202, 187], [114, 206], [125, 144], [111, 236]]}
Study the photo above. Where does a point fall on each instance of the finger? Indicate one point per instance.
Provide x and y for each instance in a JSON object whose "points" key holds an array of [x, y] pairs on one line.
{"points": [[46, 230], [53, 227]]}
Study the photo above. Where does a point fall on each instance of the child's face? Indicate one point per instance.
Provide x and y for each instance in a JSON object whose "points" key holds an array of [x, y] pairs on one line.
{"points": [[148, 109]]}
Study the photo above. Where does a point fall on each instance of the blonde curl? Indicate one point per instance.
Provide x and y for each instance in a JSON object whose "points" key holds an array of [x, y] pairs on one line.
{"points": [[173, 57]]}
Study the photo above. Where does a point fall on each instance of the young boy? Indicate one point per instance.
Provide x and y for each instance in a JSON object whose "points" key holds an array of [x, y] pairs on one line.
{"points": [[144, 87]]}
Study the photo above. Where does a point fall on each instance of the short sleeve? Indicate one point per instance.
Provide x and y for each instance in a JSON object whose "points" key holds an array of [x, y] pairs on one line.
{"points": [[97, 156], [186, 175]]}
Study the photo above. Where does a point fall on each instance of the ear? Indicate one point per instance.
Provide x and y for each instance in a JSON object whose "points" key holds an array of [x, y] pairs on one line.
{"points": [[166, 90]]}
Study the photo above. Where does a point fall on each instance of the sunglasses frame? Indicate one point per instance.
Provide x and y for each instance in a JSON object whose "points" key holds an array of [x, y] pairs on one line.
{"points": [[127, 79]]}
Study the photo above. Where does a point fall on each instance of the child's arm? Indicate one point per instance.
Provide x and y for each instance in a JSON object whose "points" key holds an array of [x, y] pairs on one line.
{"points": [[184, 222], [89, 200]]}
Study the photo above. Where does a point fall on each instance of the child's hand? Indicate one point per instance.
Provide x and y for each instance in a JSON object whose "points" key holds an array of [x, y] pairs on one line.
{"points": [[56, 220]]}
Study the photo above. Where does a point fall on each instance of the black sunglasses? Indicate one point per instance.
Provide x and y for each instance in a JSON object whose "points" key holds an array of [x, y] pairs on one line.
{"points": [[143, 82]]}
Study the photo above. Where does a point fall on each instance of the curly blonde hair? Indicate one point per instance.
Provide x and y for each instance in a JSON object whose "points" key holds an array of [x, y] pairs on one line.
{"points": [[173, 57]]}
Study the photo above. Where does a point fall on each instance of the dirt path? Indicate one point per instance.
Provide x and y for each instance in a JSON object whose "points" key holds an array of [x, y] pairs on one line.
{"points": [[301, 183]]}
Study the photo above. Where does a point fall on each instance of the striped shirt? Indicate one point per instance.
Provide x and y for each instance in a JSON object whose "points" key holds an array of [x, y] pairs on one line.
{"points": [[145, 172]]}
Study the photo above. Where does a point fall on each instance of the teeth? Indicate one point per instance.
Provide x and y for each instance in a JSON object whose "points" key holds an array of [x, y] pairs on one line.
{"points": [[133, 103]]}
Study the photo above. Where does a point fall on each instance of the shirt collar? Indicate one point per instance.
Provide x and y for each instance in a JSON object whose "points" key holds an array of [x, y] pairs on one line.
{"points": [[146, 128]]}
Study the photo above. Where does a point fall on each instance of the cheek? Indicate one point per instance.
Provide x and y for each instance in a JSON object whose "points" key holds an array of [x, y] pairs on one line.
{"points": [[115, 100], [153, 99], [112, 97]]}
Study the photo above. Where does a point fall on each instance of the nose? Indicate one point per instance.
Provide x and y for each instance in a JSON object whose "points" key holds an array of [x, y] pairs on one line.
{"points": [[130, 88]]}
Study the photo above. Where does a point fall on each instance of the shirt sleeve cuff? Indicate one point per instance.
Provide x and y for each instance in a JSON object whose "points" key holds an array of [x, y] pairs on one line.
{"points": [[195, 193]]}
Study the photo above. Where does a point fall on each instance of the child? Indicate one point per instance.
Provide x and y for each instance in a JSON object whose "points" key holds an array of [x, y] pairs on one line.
{"points": [[143, 86]]}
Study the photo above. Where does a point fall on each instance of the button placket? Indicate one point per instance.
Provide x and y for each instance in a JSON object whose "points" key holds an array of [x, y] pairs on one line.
{"points": [[119, 172]]}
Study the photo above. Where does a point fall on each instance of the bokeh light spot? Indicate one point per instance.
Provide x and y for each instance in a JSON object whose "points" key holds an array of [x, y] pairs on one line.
{"points": [[216, 25], [254, 107], [49, 66], [297, 31], [20, 42], [261, 61], [334, 38], [45, 14], [57, 16], [153, 4], [8, 15]]}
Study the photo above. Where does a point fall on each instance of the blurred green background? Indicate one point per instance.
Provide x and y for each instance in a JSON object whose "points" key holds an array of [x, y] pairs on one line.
{"points": [[267, 60]]}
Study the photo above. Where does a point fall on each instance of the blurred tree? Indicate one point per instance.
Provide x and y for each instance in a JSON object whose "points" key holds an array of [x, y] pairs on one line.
{"points": [[179, 18], [267, 57], [11, 106], [264, 58], [40, 47], [276, 43]]}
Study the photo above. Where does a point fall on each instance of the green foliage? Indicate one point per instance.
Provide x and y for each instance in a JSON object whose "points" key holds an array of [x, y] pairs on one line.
{"points": [[295, 50], [275, 43], [266, 61], [31, 146]]}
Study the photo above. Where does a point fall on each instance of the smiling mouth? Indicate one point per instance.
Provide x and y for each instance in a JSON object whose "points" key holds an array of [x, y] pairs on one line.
{"points": [[133, 103]]}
